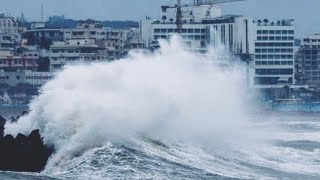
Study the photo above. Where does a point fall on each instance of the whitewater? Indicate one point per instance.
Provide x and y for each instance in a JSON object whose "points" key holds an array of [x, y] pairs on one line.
{"points": [[169, 114]]}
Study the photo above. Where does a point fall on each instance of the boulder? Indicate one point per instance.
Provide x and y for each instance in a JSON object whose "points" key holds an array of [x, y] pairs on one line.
{"points": [[23, 153], [21, 139], [2, 123]]}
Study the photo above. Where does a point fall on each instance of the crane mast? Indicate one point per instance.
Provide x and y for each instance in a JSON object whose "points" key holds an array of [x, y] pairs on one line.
{"points": [[179, 17]]}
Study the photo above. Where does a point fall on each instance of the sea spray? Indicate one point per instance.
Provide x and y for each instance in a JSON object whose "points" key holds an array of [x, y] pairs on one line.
{"points": [[171, 93]]}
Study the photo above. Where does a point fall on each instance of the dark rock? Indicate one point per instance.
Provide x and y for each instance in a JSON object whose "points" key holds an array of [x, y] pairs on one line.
{"points": [[13, 119], [24, 113], [21, 139], [35, 137], [2, 123], [8, 139], [23, 153], [16, 119]]}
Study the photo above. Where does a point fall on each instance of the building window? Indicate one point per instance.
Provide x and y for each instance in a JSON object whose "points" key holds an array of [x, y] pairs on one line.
{"points": [[274, 71], [270, 63], [283, 62], [170, 30], [270, 50], [156, 30], [203, 44], [265, 80]]}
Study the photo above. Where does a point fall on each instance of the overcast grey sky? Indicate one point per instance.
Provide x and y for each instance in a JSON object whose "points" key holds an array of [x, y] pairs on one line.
{"points": [[305, 12]]}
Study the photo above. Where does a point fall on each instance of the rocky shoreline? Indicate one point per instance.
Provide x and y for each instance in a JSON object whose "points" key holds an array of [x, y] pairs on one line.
{"points": [[23, 153]]}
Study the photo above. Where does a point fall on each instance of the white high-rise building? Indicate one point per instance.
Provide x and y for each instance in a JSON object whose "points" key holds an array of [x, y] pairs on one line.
{"points": [[268, 47], [202, 26], [273, 65]]}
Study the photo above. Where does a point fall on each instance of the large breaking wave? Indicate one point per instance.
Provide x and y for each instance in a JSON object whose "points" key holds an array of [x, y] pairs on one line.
{"points": [[97, 116]]}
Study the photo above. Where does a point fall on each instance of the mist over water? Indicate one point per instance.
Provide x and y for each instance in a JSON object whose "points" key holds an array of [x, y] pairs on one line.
{"points": [[149, 114], [172, 91]]}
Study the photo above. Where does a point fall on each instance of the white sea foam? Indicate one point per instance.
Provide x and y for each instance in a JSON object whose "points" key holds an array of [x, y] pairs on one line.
{"points": [[172, 93]]}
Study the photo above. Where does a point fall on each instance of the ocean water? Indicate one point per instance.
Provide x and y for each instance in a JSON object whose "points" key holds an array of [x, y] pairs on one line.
{"points": [[292, 152], [172, 114]]}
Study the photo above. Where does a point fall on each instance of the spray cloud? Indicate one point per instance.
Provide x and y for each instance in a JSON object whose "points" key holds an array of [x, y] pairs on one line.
{"points": [[172, 92]]}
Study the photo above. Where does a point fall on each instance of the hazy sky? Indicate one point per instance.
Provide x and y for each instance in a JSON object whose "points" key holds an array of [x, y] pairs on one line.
{"points": [[305, 12]]}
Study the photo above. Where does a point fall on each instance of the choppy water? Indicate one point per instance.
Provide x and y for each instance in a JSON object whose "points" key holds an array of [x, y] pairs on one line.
{"points": [[293, 152], [172, 114]]}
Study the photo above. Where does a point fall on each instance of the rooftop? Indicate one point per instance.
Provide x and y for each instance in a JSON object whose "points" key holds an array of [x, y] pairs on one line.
{"points": [[313, 36], [283, 22]]}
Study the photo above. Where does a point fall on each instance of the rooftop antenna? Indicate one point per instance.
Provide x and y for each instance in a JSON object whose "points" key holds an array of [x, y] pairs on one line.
{"points": [[42, 19]]}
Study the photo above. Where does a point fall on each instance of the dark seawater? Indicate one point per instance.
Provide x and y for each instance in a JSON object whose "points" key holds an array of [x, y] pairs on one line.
{"points": [[292, 152]]}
